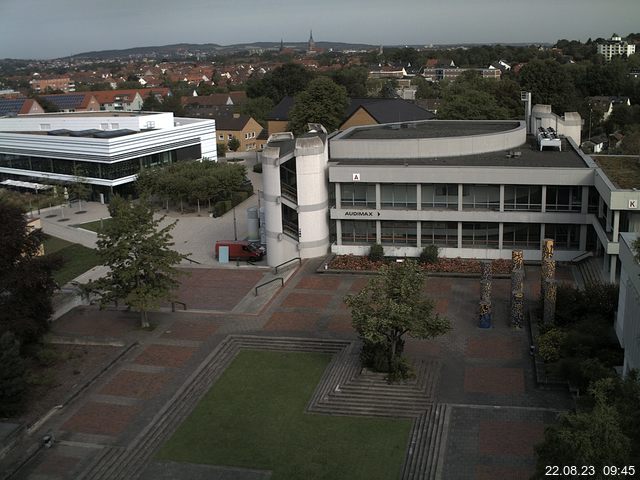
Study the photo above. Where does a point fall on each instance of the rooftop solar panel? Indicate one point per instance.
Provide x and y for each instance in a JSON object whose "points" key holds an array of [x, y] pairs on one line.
{"points": [[65, 102], [11, 106]]}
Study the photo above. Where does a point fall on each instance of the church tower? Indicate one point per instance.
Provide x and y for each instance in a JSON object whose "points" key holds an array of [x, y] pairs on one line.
{"points": [[311, 45]]}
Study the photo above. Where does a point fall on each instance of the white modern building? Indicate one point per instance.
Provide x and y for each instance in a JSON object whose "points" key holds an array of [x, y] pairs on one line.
{"points": [[615, 46], [476, 189], [628, 319], [108, 149]]}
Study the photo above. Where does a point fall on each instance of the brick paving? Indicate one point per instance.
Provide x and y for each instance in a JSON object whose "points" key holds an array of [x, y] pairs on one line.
{"points": [[101, 419], [486, 377], [165, 355], [143, 385], [191, 330], [494, 380], [292, 322]]}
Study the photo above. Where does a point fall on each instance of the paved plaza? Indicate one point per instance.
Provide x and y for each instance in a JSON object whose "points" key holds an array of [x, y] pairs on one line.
{"points": [[482, 379]]}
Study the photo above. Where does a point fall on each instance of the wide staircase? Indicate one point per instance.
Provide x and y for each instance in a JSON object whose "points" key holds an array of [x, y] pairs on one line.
{"points": [[343, 390], [591, 271]]}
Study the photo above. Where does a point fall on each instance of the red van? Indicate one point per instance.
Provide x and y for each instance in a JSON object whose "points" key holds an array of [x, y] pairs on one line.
{"points": [[240, 250]]}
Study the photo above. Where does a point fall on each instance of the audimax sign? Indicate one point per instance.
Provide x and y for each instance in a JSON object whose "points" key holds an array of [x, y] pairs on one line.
{"points": [[360, 213]]}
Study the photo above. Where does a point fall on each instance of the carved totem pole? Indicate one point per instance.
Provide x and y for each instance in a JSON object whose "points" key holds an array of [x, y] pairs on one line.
{"points": [[517, 288], [485, 294]]}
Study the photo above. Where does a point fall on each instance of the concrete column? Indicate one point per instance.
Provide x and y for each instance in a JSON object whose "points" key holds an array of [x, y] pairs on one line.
{"points": [[612, 271], [584, 208], [500, 234], [339, 232], [459, 234], [460, 192], [378, 198], [544, 200], [419, 196], [542, 234], [338, 196], [616, 225], [378, 232], [502, 199], [583, 237], [419, 234]]}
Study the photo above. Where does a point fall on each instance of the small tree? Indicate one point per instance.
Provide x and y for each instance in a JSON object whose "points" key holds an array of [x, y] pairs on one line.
{"points": [[376, 252], [323, 102], [391, 306], [12, 370], [234, 144], [429, 254], [141, 263], [222, 149], [80, 188]]}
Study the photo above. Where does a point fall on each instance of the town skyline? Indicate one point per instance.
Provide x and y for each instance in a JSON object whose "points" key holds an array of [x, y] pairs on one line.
{"points": [[72, 28]]}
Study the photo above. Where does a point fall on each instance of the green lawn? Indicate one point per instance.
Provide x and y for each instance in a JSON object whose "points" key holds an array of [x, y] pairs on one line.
{"points": [[77, 258], [254, 417], [94, 226]]}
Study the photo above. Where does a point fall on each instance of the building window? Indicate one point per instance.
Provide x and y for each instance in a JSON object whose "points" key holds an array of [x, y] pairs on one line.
{"points": [[400, 195], [104, 126], [442, 234], [481, 197], [221, 137], [115, 126], [521, 235], [480, 235], [358, 195], [229, 137], [356, 232], [288, 180], [398, 233], [564, 199], [523, 198], [290, 222], [566, 237], [440, 196], [45, 126]]}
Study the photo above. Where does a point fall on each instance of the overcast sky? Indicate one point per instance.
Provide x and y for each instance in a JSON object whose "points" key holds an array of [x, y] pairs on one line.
{"points": [[55, 28]]}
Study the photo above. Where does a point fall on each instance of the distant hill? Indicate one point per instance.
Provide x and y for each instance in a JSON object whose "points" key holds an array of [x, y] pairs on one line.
{"points": [[188, 49]]}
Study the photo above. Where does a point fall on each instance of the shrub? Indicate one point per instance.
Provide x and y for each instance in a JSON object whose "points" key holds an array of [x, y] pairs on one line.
{"points": [[549, 344], [238, 197], [429, 254], [221, 207], [376, 252], [257, 168]]}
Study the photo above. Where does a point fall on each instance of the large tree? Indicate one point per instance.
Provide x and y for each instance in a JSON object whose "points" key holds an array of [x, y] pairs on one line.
{"points": [[288, 79], [393, 305], [322, 102], [138, 253], [598, 437], [12, 370], [26, 281]]}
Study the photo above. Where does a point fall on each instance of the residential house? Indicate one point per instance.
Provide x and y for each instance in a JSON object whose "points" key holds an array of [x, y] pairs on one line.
{"points": [[119, 100], [19, 106], [361, 111], [242, 127], [39, 84], [74, 102], [606, 104], [615, 47]]}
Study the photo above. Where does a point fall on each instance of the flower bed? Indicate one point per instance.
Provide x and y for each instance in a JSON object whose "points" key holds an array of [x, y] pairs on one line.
{"points": [[443, 265]]}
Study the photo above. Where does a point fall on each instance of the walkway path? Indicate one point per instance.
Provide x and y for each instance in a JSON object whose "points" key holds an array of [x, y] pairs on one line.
{"points": [[477, 410]]}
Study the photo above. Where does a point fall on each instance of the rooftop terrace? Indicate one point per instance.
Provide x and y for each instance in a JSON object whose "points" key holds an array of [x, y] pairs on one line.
{"points": [[430, 129], [623, 171]]}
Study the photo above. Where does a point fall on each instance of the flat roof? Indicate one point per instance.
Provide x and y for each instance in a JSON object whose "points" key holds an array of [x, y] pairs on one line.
{"points": [[528, 156], [623, 171], [88, 114], [429, 129]]}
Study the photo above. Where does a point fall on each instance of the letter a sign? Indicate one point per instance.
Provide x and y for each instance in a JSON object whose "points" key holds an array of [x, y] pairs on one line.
{"points": [[356, 177]]}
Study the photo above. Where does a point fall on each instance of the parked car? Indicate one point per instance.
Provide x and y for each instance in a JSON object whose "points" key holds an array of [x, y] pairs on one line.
{"points": [[240, 250]]}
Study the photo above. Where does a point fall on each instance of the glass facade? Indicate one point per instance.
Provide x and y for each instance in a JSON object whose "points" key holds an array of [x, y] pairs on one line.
{"points": [[440, 196], [103, 170], [288, 180], [564, 199], [567, 237], [356, 232], [399, 195], [442, 234], [398, 233], [481, 197], [358, 195], [290, 221], [480, 235], [521, 235], [523, 198]]}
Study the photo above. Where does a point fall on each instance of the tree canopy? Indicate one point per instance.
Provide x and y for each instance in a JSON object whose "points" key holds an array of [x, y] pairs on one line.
{"points": [[26, 281], [286, 80], [138, 253], [322, 102], [392, 305]]}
